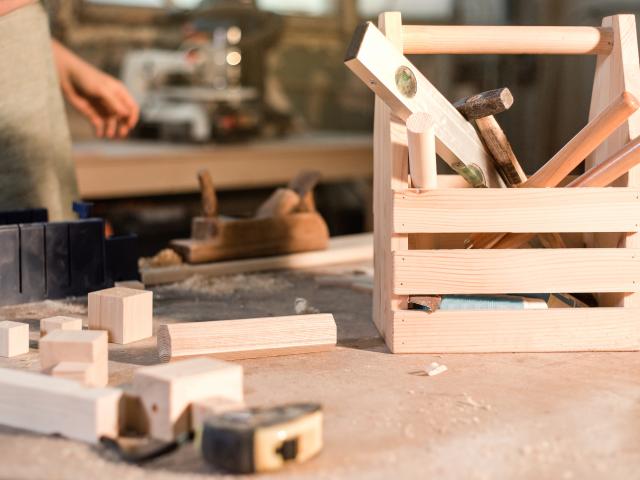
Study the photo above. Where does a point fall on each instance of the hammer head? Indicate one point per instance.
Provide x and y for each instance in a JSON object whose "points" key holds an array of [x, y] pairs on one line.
{"points": [[484, 104]]}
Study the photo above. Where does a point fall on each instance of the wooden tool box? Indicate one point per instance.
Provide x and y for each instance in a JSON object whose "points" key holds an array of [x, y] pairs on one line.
{"points": [[413, 248]]}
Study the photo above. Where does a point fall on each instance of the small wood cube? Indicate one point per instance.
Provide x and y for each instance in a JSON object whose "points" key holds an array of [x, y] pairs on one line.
{"points": [[77, 346], [49, 324], [14, 338], [167, 391], [78, 371], [126, 313]]}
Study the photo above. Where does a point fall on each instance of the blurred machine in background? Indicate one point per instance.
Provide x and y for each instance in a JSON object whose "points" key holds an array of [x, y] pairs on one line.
{"points": [[202, 90]]}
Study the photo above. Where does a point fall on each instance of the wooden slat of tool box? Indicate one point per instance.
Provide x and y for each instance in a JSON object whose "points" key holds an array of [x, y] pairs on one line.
{"points": [[516, 271], [555, 329], [517, 210]]}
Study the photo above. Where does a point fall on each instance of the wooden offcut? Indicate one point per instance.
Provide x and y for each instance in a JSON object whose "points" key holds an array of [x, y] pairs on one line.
{"points": [[78, 371], [50, 324], [77, 346], [167, 391], [49, 405], [14, 338], [248, 338], [126, 313]]}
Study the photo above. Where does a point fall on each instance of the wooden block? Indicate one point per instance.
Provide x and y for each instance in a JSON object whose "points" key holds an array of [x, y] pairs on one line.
{"points": [[48, 405], [14, 338], [77, 346], [517, 271], [248, 338], [78, 371], [552, 330], [167, 391], [207, 407], [50, 324], [134, 284], [126, 313]]}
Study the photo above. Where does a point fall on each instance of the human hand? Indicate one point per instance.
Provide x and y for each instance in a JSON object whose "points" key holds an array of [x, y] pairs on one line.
{"points": [[101, 98]]}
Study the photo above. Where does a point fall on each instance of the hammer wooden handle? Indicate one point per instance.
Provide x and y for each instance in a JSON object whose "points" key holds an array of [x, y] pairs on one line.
{"points": [[500, 148], [601, 175], [422, 151], [570, 156]]}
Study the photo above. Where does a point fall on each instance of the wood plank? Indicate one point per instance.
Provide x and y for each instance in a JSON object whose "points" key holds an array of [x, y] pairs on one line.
{"points": [[248, 338], [517, 210], [617, 72], [379, 64], [129, 169], [514, 40], [343, 249], [391, 172], [427, 272], [552, 330], [49, 405]]}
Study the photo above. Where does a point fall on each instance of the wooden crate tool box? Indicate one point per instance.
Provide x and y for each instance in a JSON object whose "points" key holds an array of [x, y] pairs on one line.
{"points": [[413, 246]]}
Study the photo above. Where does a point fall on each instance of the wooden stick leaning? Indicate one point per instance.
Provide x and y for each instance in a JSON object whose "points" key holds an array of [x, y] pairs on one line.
{"points": [[601, 175], [572, 154]]}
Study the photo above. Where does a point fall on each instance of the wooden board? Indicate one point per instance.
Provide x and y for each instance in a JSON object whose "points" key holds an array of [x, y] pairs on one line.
{"points": [[517, 271], [343, 249], [517, 210], [617, 72], [255, 237], [552, 330], [49, 405], [377, 63], [506, 39], [390, 159], [248, 338], [133, 168]]}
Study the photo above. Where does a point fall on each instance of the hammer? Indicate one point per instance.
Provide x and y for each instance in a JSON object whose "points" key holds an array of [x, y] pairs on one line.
{"points": [[482, 107]]}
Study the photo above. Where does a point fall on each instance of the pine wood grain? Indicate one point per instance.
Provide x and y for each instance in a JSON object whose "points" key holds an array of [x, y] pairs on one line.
{"points": [[49, 405], [523, 210], [248, 338], [517, 40], [552, 330], [517, 271], [376, 61]]}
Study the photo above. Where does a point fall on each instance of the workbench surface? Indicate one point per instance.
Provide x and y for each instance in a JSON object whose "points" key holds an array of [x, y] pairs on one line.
{"points": [[532, 416]]}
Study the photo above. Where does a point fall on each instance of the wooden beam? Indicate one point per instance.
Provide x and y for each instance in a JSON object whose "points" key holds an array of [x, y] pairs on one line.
{"points": [[49, 405], [344, 249], [394, 79], [552, 330], [499, 40], [427, 272], [248, 338], [525, 210]]}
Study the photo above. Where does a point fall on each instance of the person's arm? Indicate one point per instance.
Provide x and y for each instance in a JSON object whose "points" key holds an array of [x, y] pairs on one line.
{"points": [[101, 98]]}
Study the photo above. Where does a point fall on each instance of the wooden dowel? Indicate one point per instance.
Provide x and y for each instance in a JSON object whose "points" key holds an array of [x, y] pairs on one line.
{"points": [[584, 143], [569, 157], [601, 175], [518, 40], [422, 151]]}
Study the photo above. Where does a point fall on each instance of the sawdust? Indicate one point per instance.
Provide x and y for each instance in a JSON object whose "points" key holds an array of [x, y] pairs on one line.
{"points": [[227, 285], [164, 258]]}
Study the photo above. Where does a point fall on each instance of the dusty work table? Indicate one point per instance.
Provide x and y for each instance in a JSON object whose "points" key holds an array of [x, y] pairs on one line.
{"points": [[108, 169], [489, 416]]}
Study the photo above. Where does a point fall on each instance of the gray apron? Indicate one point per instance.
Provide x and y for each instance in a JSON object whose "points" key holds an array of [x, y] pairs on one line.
{"points": [[36, 169]]}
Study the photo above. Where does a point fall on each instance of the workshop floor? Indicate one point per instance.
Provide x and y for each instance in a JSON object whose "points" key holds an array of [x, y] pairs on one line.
{"points": [[557, 416]]}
